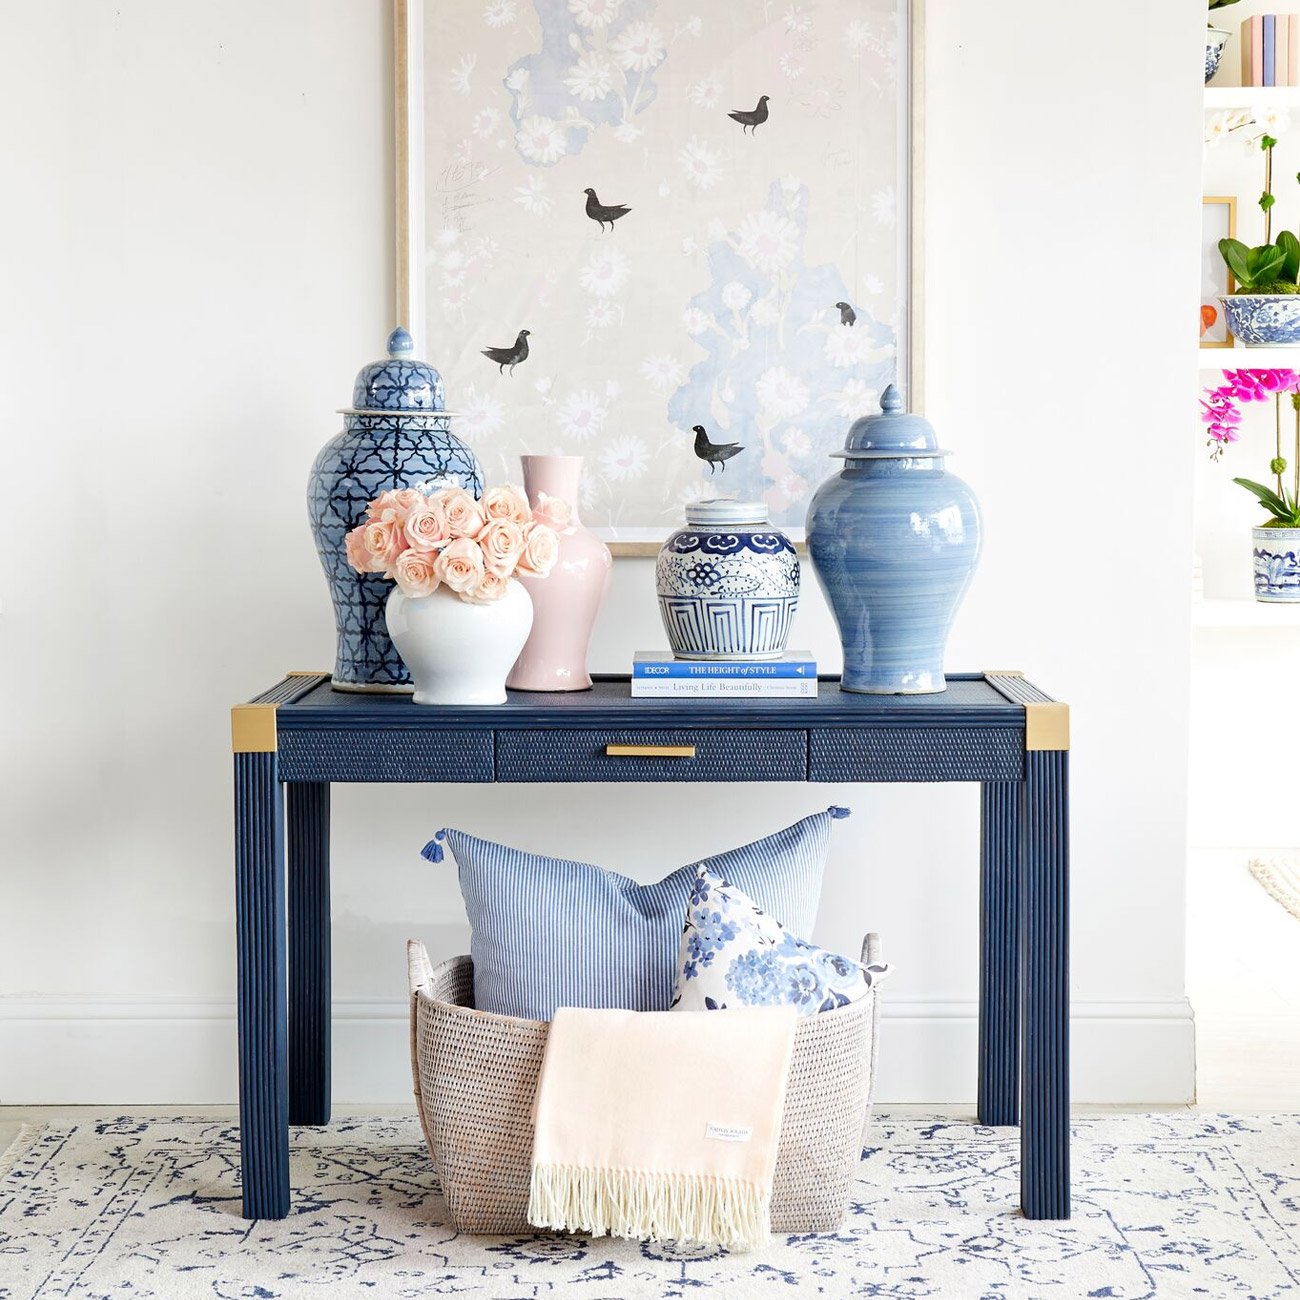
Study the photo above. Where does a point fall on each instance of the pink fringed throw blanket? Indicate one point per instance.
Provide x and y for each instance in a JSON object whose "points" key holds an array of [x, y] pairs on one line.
{"points": [[656, 1125]]}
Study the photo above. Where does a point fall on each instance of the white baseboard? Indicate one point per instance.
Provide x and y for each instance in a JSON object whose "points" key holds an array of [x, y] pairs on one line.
{"points": [[87, 1051]]}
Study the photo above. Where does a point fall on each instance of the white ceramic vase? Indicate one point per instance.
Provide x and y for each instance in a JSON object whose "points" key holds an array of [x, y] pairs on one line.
{"points": [[458, 652]]}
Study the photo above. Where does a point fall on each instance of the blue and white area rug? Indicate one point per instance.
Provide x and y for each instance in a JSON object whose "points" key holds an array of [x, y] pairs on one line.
{"points": [[1176, 1205]]}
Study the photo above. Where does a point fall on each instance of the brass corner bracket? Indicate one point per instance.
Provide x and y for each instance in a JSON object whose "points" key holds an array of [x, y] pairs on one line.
{"points": [[252, 729], [1002, 672], [1047, 725]]}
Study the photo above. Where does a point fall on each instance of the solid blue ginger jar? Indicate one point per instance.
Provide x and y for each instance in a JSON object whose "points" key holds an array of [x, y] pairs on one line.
{"points": [[396, 434], [894, 539]]}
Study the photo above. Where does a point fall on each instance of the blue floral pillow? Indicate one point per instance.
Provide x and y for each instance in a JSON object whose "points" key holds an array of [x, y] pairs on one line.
{"points": [[734, 954]]}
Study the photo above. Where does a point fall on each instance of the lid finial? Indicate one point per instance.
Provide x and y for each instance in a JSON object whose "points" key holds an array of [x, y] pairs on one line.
{"points": [[400, 343], [891, 401]]}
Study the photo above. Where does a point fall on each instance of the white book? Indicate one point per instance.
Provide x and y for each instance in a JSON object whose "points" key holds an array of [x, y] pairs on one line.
{"points": [[787, 688]]}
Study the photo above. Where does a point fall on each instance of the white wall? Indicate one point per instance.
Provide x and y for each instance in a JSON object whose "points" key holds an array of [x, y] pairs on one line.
{"points": [[198, 264]]}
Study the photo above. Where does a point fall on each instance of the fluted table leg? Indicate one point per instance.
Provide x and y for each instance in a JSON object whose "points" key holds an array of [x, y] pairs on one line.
{"points": [[309, 952], [999, 1002]]}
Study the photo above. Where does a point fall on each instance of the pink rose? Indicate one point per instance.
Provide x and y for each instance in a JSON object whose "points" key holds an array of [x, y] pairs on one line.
{"points": [[506, 503], [385, 541], [359, 556], [460, 565], [555, 511], [541, 550], [402, 501], [426, 526], [491, 588], [502, 542], [415, 573], [464, 515]]}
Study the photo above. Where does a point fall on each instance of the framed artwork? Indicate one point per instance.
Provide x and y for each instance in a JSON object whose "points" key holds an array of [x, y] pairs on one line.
{"points": [[640, 230], [1218, 221]]}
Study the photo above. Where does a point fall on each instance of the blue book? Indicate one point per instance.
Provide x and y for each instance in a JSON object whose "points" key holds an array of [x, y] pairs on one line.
{"points": [[1270, 50], [660, 664]]}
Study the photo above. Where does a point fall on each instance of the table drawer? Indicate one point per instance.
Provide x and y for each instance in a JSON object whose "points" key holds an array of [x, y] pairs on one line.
{"points": [[915, 754], [416, 754], [685, 755]]}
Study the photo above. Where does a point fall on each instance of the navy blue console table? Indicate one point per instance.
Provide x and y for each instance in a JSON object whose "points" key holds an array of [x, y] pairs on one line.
{"points": [[293, 740]]}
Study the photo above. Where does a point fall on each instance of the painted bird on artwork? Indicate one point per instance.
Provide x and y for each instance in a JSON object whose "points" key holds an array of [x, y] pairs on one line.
{"points": [[603, 213], [847, 314], [751, 119], [714, 453], [509, 356]]}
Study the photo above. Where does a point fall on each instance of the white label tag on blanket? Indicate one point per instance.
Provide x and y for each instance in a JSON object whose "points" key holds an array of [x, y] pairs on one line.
{"points": [[727, 1132]]}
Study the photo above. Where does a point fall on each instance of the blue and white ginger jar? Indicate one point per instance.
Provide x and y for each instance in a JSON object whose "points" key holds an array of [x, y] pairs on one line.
{"points": [[396, 434], [894, 539], [728, 583]]}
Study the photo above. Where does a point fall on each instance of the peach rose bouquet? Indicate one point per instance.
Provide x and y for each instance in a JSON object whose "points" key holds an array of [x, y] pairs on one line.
{"points": [[449, 539]]}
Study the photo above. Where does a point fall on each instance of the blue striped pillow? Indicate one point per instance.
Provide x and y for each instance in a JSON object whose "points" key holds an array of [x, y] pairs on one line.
{"points": [[547, 932]]}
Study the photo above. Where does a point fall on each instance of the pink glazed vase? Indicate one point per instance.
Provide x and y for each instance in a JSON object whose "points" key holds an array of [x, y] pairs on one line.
{"points": [[564, 603]]}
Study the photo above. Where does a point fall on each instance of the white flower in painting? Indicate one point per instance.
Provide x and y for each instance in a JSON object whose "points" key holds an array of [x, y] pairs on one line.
{"points": [[532, 196], [855, 399], [461, 73], [782, 394], [543, 385], [627, 132], [601, 315], [700, 163], [517, 80], [581, 415], [767, 240], [612, 388], [447, 236], [796, 443], [882, 207], [696, 321], [663, 372], [697, 489], [541, 140], [484, 249], [694, 26], [638, 47], [485, 122], [797, 19], [605, 274], [624, 458], [481, 415], [873, 284], [451, 260], [595, 13], [735, 296], [452, 297], [500, 13], [689, 245], [706, 93], [857, 35], [590, 79], [851, 346], [790, 66], [765, 311]]}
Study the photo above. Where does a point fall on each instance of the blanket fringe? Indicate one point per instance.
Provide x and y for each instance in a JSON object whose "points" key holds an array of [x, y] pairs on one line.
{"points": [[650, 1206]]}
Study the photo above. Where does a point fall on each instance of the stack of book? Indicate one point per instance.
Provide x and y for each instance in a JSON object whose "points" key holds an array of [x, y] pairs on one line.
{"points": [[793, 676], [1270, 50]]}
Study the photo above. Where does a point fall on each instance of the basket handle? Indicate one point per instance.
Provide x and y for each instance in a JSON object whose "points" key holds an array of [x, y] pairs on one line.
{"points": [[871, 949], [419, 970]]}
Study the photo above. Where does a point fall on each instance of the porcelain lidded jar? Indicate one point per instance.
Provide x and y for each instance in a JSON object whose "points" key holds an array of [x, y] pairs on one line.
{"points": [[894, 539], [728, 583], [396, 434]]}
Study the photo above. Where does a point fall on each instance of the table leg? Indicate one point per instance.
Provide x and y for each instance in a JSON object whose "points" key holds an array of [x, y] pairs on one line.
{"points": [[1045, 991], [999, 1004], [260, 926], [309, 952]]}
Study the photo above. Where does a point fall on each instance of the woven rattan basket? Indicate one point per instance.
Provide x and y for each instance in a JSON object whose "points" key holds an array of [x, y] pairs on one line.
{"points": [[476, 1076]]}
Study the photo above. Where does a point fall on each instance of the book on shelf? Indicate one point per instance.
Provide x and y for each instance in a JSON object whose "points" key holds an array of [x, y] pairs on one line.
{"points": [[1270, 50], [793, 676], [732, 688]]}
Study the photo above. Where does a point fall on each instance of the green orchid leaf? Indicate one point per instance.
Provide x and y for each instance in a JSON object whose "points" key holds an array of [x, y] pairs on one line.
{"points": [[1234, 254], [1269, 499], [1289, 246], [1264, 263]]}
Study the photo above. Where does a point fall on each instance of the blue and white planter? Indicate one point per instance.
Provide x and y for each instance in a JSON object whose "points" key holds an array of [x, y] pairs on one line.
{"points": [[1277, 565], [728, 583], [1215, 40], [1259, 319], [396, 434]]}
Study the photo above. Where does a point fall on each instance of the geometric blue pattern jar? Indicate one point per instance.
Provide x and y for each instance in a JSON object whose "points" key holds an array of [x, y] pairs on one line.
{"points": [[894, 539], [396, 434]]}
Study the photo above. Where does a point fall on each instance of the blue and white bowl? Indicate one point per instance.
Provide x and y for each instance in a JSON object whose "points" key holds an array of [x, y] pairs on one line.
{"points": [[1263, 318], [728, 583], [1215, 40], [1277, 565]]}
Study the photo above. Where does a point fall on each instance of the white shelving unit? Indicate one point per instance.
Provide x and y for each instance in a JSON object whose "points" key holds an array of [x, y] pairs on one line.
{"points": [[1256, 358], [1252, 97], [1244, 612]]}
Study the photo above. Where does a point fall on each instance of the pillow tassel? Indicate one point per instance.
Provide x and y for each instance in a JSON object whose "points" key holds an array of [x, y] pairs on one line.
{"points": [[432, 852]]}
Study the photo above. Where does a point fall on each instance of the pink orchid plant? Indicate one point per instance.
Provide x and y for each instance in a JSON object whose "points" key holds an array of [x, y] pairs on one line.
{"points": [[1221, 415], [448, 539]]}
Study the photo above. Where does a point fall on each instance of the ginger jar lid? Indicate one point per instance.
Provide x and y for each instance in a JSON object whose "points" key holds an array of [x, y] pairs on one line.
{"points": [[399, 382], [891, 434], [725, 513]]}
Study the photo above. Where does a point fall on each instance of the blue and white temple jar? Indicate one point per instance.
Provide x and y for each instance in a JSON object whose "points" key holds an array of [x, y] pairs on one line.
{"points": [[396, 434], [1276, 553], [894, 539], [728, 583]]}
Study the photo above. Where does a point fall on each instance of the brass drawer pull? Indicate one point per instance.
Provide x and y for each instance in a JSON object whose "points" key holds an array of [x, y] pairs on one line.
{"points": [[650, 751]]}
